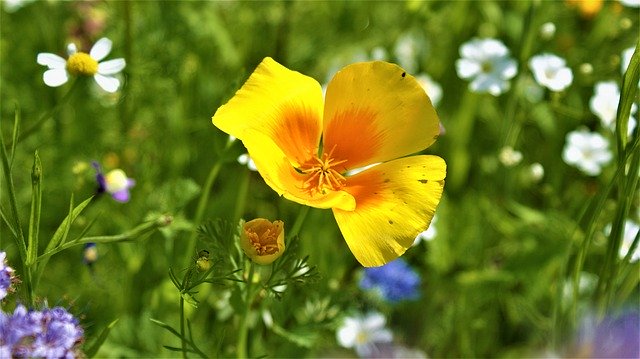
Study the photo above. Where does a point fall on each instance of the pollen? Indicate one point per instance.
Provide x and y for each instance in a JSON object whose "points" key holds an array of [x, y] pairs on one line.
{"points": [[265, 244], [81, 63], [322, 174]]}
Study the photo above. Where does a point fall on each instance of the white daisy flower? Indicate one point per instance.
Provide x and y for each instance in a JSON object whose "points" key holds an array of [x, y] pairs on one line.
{"points": [[536, 170], [631, 229], [80, 63], [551, 71], [432, 88], [588, 151], [604, 104], [244, 159], [487, 64], [363, 333]]}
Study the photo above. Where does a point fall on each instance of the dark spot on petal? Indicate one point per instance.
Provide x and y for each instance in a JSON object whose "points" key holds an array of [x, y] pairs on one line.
{"points": [[386, 180], [423, 181], [404, 74], [390, 222]]}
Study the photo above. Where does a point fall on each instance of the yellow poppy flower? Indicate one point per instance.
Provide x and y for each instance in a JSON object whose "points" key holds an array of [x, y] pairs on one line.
{"points": [[305, 148]]}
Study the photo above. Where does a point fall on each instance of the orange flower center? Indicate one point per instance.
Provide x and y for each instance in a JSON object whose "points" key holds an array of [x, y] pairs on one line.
{"points": [[265, 243], [322, 176]]}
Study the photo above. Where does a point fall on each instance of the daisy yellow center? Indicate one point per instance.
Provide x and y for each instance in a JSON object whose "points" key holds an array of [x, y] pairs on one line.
{"points": [[81, 63], [265, 244], [322, 175]]}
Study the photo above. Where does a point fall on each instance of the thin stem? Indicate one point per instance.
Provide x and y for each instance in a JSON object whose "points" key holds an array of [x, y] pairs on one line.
{"points": [[202, 204], [243, 331], [47, 115], [182, 339], [297, 225]]}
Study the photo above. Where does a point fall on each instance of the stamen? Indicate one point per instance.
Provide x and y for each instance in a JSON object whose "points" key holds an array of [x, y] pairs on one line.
{"points": [[322, 174]]}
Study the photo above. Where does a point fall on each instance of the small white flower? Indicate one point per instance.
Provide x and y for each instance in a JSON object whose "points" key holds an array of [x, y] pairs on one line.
{"points": [[432, 88], [244, 159], [547, 30], [551, 72], [363, 332], [429, 234], [588, 151], [406, 52], [80, 63], [510, 157], [631, 229], [537, 171], [604, 104], [630, 3], [488, 64]]}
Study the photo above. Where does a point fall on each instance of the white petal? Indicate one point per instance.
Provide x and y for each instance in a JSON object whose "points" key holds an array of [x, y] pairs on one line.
{"points": [[52, 61], [55, 77], [100, 49], [111, 67], [108, 83], [467, 68], [71, 49]]}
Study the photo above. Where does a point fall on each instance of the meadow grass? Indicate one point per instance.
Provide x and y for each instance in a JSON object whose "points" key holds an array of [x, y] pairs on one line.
{"points": [[520, 259]]}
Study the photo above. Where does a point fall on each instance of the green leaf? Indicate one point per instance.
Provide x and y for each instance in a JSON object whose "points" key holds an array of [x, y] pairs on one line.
{"points": [[92, 349], [36, 208]]}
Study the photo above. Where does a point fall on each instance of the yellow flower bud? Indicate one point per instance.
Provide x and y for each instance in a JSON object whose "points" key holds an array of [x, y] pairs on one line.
{"points": [[203, 263], [262, 241]]}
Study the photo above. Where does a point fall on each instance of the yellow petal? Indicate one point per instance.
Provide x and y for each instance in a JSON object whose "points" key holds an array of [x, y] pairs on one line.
{"points": [[278, 172], [376, 112], [395, 201], [285, 105]]}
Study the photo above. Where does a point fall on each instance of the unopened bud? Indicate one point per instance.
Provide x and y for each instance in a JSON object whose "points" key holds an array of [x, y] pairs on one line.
{"points": [[262, 241]]}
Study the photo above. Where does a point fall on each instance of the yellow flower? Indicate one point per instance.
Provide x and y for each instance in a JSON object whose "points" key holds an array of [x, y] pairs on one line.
{"points": [[262, 241], [374, 114]]}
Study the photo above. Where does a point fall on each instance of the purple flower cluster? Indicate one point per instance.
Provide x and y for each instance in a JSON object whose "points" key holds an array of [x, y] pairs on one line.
{"points": [[394, 281], [6, 276], [616, 336], [50, 333]]}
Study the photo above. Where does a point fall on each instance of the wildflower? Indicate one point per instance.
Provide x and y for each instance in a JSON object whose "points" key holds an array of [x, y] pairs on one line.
{"points": [[429, 234], [536, 170], [631, 229], [373, 113], [616, 336], [7, 277], [90, 253], [364, 333], [547, 30], [587, 8], [588, 151], [551, 71], [630, 3], [244, 159], [488, 64], [432, 88], [80, 63], [262, 241], [510, 157], [394, 281], [50, 333], [115, 182], [604, 104]]}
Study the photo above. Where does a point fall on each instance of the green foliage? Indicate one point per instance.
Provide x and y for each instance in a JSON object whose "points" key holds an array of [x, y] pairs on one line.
{"points": [[502, 278]]}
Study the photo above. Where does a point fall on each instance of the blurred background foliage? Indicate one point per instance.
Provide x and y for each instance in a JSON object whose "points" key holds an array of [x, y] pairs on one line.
{"points": [[490, 279]]}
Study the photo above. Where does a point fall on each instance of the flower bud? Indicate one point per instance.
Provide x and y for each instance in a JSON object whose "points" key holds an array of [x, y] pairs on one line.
{"points": [[203, 263], [262, 241]]}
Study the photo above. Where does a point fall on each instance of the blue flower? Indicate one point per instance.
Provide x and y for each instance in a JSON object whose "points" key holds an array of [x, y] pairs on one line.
{"points": [[394, 282], [614, 337], [50, 333], [6, 277]]}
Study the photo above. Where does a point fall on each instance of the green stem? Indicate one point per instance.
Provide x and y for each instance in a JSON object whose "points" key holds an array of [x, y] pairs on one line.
{"points": [[47, 115], [243, 330], [202, 204], [297, 225], [182, 339]]}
